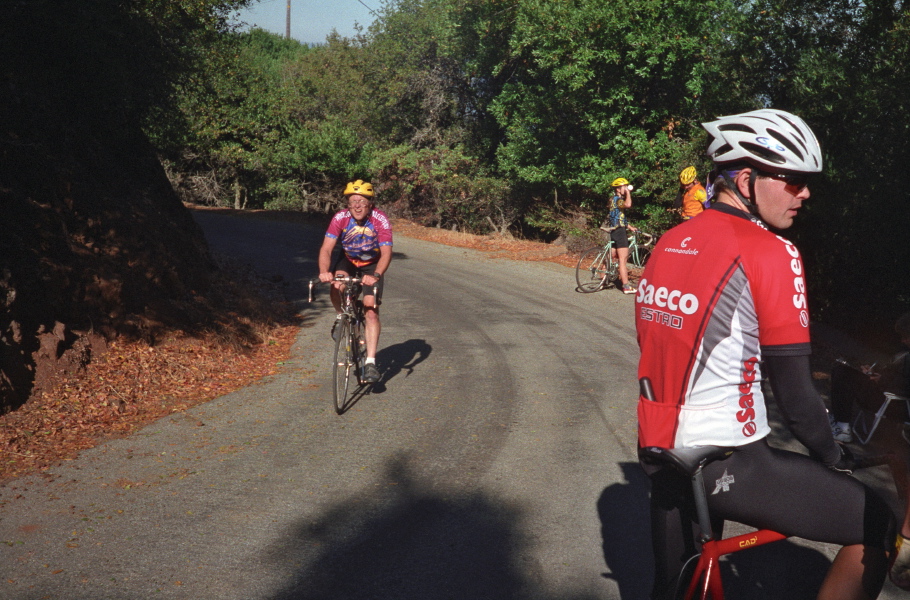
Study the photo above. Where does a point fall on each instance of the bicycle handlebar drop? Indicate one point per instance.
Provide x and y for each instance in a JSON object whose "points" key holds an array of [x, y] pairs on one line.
{"points": [[646, 238], [314, 282]]}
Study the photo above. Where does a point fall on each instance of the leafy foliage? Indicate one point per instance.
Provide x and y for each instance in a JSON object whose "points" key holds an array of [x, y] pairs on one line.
{"points": [[515, 115]]}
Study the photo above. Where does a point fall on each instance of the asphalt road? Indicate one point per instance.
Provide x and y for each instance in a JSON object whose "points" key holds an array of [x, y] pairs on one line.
{"points": [[495, 459]]}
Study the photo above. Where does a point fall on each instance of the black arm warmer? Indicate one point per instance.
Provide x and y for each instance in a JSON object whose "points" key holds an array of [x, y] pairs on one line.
{"points": [[802, 407]]}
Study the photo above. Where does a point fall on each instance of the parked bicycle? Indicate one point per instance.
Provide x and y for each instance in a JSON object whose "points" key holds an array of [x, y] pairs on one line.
{"points": [[350, 346], [598, 266]]}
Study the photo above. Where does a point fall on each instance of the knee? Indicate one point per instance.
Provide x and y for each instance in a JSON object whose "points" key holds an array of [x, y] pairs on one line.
{"points": [[371, 314]]}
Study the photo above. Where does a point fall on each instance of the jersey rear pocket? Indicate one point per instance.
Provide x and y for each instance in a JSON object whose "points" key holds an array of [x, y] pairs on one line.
{"points": [[656, 423]]}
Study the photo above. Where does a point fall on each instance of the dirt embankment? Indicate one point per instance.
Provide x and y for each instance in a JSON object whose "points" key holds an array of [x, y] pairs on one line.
{"points": [[98, 257]]}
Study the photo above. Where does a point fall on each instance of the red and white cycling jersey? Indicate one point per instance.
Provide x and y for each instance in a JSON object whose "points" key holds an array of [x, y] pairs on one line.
{"points": [[719, 292]]}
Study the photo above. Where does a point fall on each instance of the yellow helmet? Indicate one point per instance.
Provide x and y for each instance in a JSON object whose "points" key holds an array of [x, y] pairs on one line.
{"points": [[620, 181], [687, 176], [360, 187]]}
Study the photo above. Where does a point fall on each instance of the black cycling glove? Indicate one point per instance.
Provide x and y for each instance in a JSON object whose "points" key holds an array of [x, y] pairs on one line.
{"points": [[847, 462]]}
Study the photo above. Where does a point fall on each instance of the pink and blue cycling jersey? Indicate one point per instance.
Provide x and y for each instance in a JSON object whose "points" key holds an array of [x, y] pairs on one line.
{"points": [[361, 243]]}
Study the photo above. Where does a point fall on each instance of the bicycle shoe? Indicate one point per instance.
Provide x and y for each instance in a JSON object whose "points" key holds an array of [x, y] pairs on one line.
{"points": [[370, 373], [335, 332]]}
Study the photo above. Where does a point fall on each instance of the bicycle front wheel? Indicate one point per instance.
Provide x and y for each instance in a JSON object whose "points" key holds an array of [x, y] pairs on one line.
{"points": [[593, 269], [345, 364], [641, 256]]}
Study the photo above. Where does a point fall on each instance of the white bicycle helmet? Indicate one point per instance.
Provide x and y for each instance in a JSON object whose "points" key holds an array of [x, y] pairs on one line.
{"points": [[770, 140]]}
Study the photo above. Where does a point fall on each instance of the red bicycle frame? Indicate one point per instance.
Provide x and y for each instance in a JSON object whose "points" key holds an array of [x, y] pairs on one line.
{"points": [[707, 570]]}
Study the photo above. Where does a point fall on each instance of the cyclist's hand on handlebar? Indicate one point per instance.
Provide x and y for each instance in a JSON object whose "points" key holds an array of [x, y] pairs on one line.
{"points": [[326, 277], [847, 462], [369, 279]]}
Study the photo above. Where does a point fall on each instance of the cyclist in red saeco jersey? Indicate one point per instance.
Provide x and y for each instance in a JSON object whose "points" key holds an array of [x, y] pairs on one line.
{"points": [[366, 243], [722, 308]]}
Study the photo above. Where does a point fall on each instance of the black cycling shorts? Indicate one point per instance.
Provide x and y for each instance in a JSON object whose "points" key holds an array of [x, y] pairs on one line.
{"points": [[766, 488], [620, 237], [346, 266]]}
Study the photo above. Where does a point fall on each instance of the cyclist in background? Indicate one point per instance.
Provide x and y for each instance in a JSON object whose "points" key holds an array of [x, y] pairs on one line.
{"points": [[616, 219], [693, 196], [366, 242], [721, 308]]}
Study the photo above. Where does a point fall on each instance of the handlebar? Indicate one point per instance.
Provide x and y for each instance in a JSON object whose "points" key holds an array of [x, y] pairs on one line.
{"points": [[646, 239], [314, 282]]}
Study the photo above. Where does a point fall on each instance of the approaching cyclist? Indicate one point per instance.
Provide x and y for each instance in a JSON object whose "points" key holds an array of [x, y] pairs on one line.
{"points": [[366, 242], [693, 197], [721, 309], [621, 200]]}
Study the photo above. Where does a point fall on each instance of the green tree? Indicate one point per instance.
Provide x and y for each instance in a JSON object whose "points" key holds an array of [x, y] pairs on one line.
{"points": [[266, 125], [601, 89], [843, 66]]}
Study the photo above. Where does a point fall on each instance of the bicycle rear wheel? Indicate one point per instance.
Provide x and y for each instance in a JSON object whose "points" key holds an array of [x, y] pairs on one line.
{"points": [[344, 365], [593, 269]]}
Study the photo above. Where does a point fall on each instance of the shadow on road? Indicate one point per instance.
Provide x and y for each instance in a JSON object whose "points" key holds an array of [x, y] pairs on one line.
{"points": [[408, 542], [626, 531], [400, 357]]}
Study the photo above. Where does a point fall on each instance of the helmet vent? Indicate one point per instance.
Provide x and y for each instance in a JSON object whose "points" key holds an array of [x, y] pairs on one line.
{"points": [[786, 142], [723, 150], [795, 126], [764, 153], [736, 127]]}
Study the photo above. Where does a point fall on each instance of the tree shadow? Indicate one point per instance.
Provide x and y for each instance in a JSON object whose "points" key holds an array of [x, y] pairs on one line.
{"points": [[283, 251], [399, 358], [405, 541]]}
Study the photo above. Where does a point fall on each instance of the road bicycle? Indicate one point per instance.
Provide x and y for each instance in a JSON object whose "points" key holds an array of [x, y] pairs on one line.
{"points": [[350, 345], [597, 266], [701, 577]]}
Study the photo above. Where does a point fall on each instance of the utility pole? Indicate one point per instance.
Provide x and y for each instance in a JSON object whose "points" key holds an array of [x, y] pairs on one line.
{"points": [[287, 29]]}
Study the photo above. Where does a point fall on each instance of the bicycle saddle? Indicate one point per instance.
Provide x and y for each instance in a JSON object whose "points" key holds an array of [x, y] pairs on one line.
{"points": [[685, 460]]}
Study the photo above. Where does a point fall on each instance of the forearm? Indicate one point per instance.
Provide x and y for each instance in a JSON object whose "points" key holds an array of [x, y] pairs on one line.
{"points": [[801, 406], [385, 258], [325, 259]]}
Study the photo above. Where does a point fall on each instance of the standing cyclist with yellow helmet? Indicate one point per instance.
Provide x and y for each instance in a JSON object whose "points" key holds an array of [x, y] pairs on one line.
{"points": [[693, 194], [621, 200], [366, 242]]}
